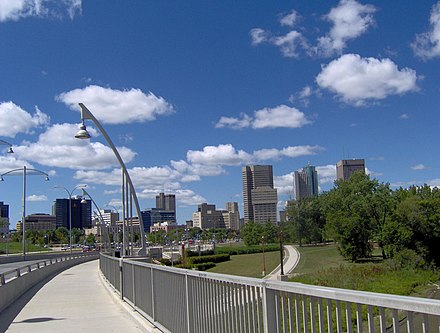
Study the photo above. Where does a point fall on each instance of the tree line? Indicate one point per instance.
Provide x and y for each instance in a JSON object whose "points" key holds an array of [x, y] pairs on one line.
{"points": [[360, 213]]}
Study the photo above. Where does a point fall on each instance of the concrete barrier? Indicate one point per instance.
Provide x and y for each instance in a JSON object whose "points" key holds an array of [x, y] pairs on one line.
{"points": [[12, 289]]}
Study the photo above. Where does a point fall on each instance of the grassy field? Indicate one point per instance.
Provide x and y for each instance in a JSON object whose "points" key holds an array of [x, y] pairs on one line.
{"points": [[250, 265], [17, 247], [314, 258]]}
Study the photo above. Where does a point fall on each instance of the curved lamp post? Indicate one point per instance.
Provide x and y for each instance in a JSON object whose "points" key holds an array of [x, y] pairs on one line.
{"points": [[83, 134], [25, 172], [69, 194], [3, 142], [83, 201]]}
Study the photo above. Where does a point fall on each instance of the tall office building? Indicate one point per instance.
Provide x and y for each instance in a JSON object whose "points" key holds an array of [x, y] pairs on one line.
{"points": [[259, 197], [81, 213], [166, 202], [207, 217], [345, 168], [4, 218], [232, 216], [306, 182]]}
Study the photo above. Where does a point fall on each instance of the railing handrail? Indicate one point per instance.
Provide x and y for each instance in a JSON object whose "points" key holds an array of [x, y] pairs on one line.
{"points": [[36, 265]]}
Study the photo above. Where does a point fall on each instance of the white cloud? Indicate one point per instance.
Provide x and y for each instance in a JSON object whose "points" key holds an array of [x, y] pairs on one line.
{"points": [[259, 36], [290, 19], [356, 80], [220, 155], [281, 116], [35, 197], [11, 162], [57, 147], [427, 45], [14, 10], [350, 19], [326, 173], [14, 120], [289, 43], [419, 167], [235, 123], [284, 184], [113, 106], [404, 116]]}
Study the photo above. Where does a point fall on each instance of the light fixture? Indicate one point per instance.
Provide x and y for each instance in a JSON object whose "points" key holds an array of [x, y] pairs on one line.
{"points": [[82, 133], [1, 179], [10, 151], [83, 201]]}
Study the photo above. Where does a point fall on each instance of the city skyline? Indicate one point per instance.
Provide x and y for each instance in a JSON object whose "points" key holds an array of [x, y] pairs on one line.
{"points": [[192, 92]]}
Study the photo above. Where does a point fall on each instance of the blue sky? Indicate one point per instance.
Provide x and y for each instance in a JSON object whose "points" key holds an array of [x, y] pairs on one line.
{"points": [[190, 91]]}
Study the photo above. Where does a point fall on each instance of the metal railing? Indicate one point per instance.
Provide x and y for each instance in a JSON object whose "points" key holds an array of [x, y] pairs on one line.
{"points": [[178, 300], [23, 269]]}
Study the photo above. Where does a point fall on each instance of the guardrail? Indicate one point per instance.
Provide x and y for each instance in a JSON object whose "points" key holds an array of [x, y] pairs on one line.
{"points": [[15, 282], [178, 300]]}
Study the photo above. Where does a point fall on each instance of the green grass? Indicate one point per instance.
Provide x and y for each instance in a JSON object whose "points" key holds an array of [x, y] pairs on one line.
{"points": [[324, 266], [250, 265], [17, 247], [314, 258]]}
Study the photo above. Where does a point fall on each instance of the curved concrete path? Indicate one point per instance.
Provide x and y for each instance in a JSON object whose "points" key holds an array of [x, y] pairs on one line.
{"points": [[76, 300], [291, 259]]}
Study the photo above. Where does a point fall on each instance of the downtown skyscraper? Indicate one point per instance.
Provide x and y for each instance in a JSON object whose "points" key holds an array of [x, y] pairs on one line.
{"points": [[259, 196], [306, 182]]}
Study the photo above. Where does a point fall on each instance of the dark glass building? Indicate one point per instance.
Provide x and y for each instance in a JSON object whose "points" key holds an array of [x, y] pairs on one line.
{"points": [[81, 213]]}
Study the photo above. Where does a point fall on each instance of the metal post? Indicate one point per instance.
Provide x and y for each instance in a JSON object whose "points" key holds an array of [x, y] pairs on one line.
{"points": [[70, 221], [24, 213], [264, 259]]}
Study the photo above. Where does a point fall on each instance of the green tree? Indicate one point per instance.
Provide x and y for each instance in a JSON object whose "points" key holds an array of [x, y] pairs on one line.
{"points": [[251, 233], [348, 208], [90, 239]]}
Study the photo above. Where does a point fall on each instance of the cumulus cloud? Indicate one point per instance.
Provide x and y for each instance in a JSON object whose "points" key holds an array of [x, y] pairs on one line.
{"points": [[19, 9], [221, 154], [35, 197], [259, 36], [350, 19], [290, 19], [427, 44], [326, 173], [289, 43], [284, 184], [277, 117], [14, 120], [113, 106], [356, 80], [419, 167], [57, 147]]}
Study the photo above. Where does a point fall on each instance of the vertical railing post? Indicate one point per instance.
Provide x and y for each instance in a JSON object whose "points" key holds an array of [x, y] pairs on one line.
{"points": [[188, 305], [269, 313], [121, 278]]}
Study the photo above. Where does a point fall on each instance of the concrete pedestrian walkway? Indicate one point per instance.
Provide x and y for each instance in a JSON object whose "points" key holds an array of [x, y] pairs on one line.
{"points": [[76, 300], [291, 259]]}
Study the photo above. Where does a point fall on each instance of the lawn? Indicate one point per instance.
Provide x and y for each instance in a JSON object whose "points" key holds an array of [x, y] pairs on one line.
{"points": [[315, 258], [250, 265], [17, 247]]}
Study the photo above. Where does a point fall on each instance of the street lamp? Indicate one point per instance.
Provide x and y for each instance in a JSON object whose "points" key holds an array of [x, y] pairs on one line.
{"points": [[264, 259], [126, 180], [69, 194], [3, 142], [24, 171], [115, 228], [83, 201]]}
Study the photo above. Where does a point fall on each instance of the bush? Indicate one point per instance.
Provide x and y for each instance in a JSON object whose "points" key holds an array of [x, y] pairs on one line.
{"points": [[203, 266], [248, 249], [407, 259], [214, 258]]}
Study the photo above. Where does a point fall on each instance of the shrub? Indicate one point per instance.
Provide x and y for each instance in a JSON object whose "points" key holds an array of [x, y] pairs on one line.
{"points": [[214, 258], [203, 266]]}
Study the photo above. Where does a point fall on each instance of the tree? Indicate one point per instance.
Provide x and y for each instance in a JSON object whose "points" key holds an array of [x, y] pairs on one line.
{"points": [[90, 239], [348, 208], [251, 233]]}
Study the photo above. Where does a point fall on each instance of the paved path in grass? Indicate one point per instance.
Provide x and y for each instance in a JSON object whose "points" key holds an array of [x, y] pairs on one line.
{"points": [[75, 300], [291, 259]]}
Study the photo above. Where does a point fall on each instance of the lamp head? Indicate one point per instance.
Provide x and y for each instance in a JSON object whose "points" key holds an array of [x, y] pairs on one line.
{"points": [[82, 133], [1, 179], [10, 151], [47, 178], [83, 201]]}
